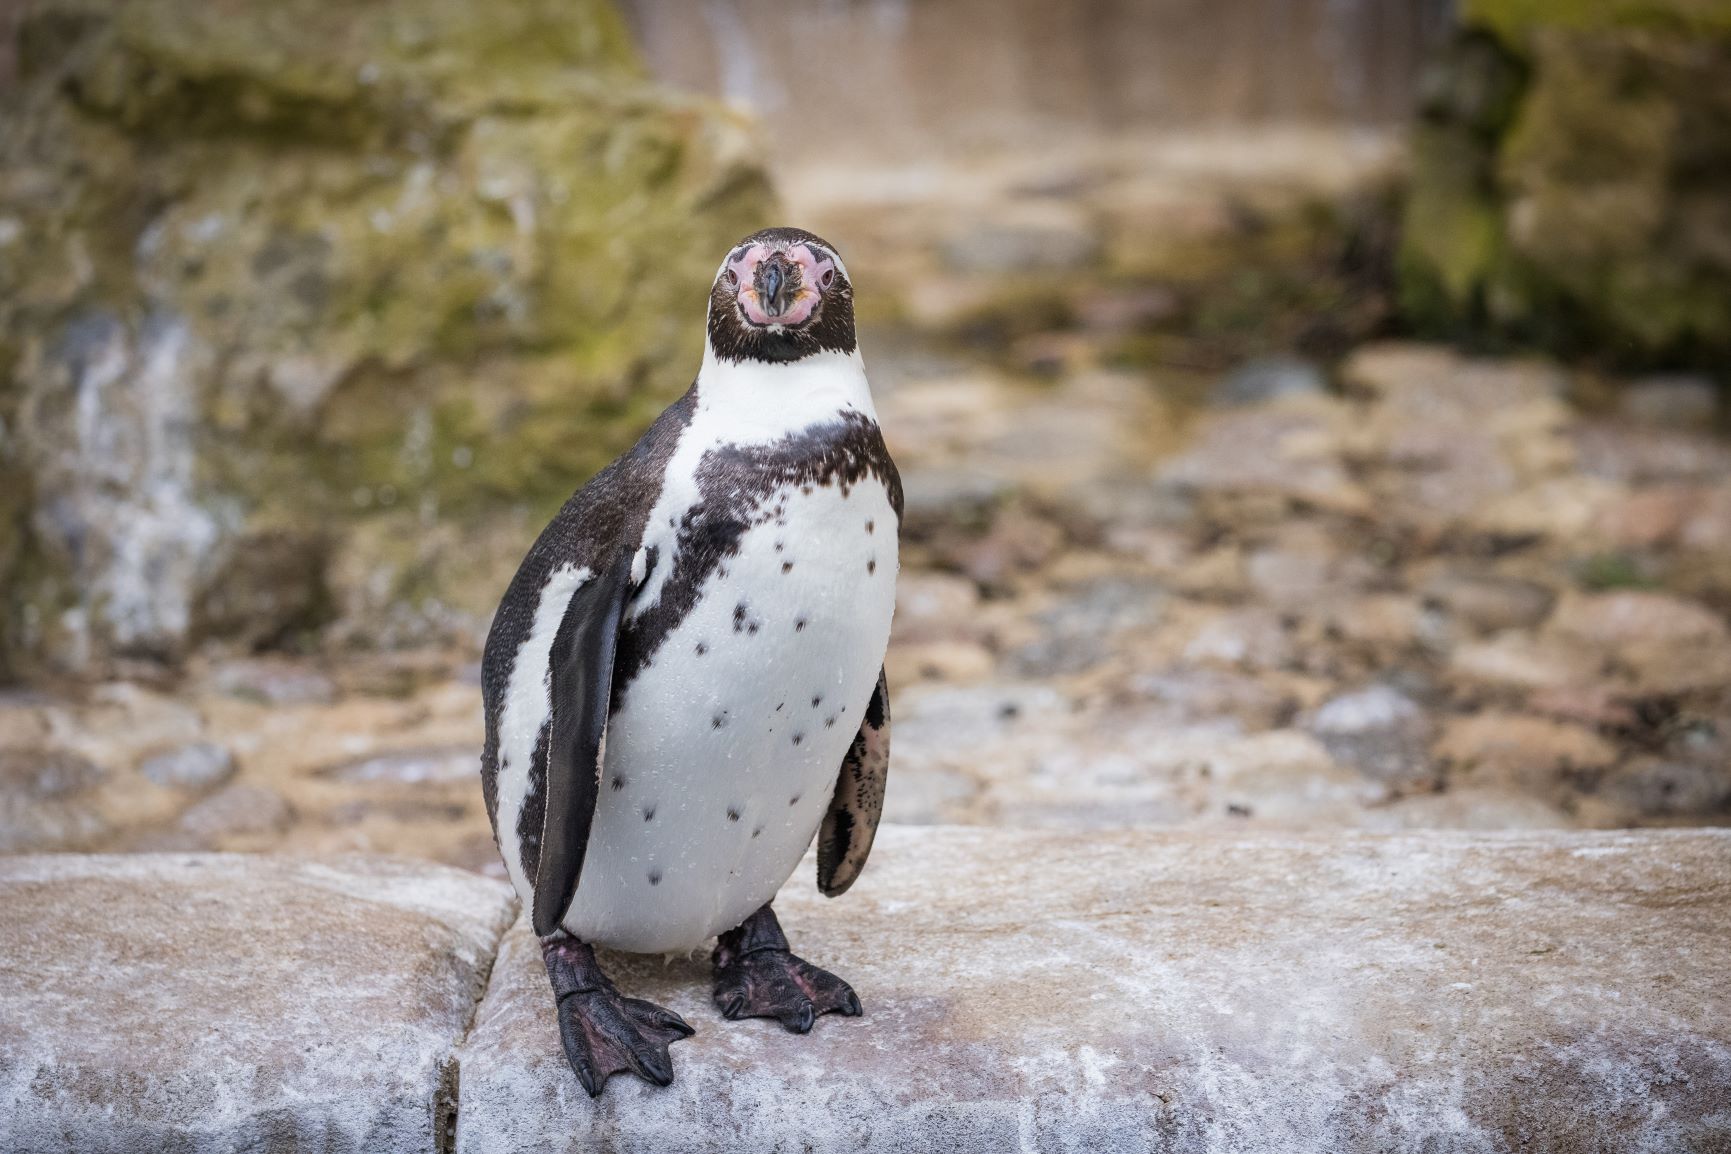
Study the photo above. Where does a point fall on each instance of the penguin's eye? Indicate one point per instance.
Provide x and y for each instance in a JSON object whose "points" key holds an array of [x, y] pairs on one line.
{"points": [[732, 279], [827, 279]]}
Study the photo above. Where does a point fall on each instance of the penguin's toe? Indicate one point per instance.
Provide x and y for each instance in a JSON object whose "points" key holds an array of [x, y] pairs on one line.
{"points": [[605, 1034], [772, 983]]}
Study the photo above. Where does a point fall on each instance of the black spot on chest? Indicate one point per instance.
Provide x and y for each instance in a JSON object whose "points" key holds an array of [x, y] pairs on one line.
{"points": [[738, 487]]}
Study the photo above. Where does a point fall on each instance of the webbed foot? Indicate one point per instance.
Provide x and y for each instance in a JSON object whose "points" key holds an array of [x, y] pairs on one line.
{"points": [[605, 1033], [757, 976]]}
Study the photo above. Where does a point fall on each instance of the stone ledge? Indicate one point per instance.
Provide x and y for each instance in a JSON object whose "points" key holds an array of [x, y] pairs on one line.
{"points": [[1143, 990], [1132, 990], [219, 1002]]}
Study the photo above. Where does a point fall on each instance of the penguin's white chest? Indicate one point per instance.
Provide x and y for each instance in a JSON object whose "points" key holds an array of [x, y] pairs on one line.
{"points": [[724, 752]]}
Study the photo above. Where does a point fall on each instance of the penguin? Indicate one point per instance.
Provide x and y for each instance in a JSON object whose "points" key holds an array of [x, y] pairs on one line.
{"points": [[683, 684]]}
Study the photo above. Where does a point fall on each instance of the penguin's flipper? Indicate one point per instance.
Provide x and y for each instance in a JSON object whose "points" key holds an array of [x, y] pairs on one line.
{"points": [[582, 690], [845, 837]]}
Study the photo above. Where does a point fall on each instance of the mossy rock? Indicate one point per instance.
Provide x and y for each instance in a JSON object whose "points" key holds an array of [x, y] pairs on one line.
{"points": [[1570, 178], [335, 273]]}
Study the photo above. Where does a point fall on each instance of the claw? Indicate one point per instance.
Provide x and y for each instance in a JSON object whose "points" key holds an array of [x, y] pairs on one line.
{"points": [[800, 1019]]}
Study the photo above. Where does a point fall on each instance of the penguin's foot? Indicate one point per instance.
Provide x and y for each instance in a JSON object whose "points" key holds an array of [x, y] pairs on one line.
{"points": [[605, 1033], [757, 976]]}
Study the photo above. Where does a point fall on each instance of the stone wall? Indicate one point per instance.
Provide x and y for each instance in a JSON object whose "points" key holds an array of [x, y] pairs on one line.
{"points": [[1571, 177], [314, 315]]}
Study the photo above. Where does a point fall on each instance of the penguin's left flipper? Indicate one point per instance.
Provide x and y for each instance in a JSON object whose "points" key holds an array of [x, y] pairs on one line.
{"points": [[758, 976], [582, 691], [845, 838]]}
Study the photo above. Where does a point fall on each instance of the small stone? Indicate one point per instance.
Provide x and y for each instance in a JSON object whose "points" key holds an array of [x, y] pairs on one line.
{"points": [[1649, 518], [1668, 787], [1197, 695], [1289, 449], [46, 800], [1290, 576], [1379, 731], [275, 682], [1596, 706], [1086, 626], [1468, 808], [1262, 380], [237, 811], [1110, 311], [1251, 638], [440, 764], [1629, 616], [1383, 619], [1017, 541], [1668, 644], [1678, 402], [1527, 752], [199, 766], [953, 661], [1637, 454], [1490, 604], [1561, 508], [934, 606], [1025, 238], [1521, 660], [1708, 527], [941, 495]]}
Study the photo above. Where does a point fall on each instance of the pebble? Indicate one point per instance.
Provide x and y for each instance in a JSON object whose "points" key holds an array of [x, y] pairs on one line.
{"points": [[199, 766], [410, 766], [1379, 731], [1266, 378], [1631, 616], [1489, 604], [47, 800], [237, 810], [1043, 237], [1666, 787], [1679, 402], [274, 682], [1522, 751]]}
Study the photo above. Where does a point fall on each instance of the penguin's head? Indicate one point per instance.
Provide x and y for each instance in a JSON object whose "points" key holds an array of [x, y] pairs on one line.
{"points": [[780, 295]]}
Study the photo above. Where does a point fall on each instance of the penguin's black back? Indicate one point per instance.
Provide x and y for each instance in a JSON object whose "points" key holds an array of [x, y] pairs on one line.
{"points": [[602, 519]]}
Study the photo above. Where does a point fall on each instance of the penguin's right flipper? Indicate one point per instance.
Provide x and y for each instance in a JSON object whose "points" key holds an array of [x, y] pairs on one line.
{"points": [[582, 691]]}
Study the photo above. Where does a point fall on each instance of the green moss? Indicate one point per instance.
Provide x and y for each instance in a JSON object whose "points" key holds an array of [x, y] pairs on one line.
{"points": [[1578, 218], [1451, 233], [1514, 20], [439, 259], [1603, 571]]}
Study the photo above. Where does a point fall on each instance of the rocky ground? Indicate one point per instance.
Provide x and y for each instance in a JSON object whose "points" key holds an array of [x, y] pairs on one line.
{"points": [[1186, 544], [1418, 591]]}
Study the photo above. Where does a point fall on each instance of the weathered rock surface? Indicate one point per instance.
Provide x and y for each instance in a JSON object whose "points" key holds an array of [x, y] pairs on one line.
{"points": [[1562, 170], [291, 309], [1151, 991], [217, 1003]]}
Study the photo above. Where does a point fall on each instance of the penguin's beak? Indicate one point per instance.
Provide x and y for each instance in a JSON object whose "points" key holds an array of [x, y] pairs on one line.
{"points": [[776, 278]]}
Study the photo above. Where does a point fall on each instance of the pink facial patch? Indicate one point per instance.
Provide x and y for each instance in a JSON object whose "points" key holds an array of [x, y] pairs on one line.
{"points": [[813, 269]]}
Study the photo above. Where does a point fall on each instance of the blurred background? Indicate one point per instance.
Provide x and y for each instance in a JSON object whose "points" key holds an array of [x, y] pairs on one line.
{"points": [[1311, 411]]}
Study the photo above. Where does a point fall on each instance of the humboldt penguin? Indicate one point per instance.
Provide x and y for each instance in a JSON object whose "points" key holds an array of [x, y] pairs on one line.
{"points": [[684, 682]]}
